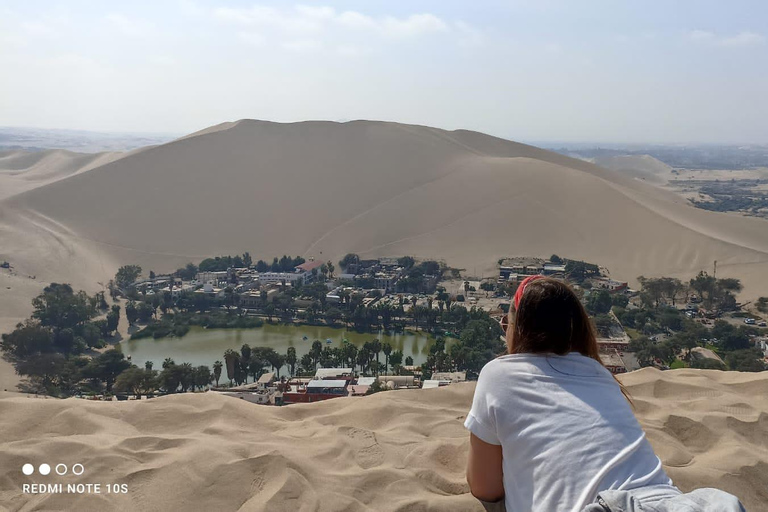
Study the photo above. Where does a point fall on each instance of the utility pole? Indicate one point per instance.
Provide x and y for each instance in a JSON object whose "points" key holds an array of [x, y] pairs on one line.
{"points": [[714, 273]]}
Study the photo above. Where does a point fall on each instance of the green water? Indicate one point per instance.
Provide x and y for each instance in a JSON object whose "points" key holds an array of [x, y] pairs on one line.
{"points": [[204, 346]]}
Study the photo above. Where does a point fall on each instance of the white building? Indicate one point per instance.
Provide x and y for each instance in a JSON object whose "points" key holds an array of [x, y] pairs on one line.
{"points": [[280, 277], [211, 277]]}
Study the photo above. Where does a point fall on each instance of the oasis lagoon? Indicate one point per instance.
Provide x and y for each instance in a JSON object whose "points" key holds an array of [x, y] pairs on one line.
{"points": [[202, 346]]}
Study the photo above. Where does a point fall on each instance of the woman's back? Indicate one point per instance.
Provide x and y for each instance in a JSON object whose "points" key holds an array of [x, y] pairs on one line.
{"points": [[565, 429]]}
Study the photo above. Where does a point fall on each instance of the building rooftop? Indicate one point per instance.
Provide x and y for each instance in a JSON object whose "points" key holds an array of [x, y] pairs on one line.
{"points": [[324, 373], [326, 384], [266, 378], [307, 266]]}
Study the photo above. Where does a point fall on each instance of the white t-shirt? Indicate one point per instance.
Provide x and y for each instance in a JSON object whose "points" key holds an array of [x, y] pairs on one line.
{"points": [[565, 429]]}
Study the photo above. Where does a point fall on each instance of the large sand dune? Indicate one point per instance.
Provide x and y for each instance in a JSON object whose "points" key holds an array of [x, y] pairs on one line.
{"points": [[322, 189], [394, 451]]}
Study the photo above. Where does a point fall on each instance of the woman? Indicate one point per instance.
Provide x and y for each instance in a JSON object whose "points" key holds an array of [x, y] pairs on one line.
{"points": [[550, 426]]}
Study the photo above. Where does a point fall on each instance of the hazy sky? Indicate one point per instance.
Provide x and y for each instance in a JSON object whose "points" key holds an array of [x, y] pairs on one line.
{"points": [[544, 70]]}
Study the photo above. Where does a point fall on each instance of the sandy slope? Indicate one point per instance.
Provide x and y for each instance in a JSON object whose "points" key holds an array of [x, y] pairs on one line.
{"points": [[322, 189], [641, 167], [25, 170], [402, 450]]}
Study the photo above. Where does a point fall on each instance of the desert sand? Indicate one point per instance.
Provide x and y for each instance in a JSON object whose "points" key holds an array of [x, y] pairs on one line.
{"points": [[393, 451], [322, 189]]}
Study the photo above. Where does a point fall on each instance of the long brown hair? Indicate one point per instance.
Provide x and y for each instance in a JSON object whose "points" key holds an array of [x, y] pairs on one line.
{"points": [[550, 319]]}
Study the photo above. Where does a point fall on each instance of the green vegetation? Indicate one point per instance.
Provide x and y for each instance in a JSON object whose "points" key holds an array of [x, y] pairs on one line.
{"points": [[178, 324], [658, 318]]}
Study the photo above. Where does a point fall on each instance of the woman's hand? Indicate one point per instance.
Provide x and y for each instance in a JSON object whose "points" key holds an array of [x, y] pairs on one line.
{"points": [[484, 471]]}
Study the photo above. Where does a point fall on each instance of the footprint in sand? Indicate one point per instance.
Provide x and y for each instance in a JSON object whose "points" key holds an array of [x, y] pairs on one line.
{"points": [[369, 453]]}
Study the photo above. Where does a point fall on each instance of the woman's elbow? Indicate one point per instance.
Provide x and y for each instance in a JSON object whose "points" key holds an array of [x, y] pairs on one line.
{"points": [[484, 492]]}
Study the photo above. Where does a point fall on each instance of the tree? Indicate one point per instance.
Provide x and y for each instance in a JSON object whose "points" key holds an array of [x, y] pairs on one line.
{"points": [[136, 381], [762, 304], [126, 276], [348, 260], [245, 352], [408, 361], [106, 367], [290, 359], [186, 376], [330, 268], [599, 303], [387, 349], [170, 377], [113, 318], [202, 377], [746, 360], [277, 363], [332, 316], [231, 359], [269, 310], [307, 363], [144, 311], [28, 339], [188, 272], [396, 359], [217, 372], [315, 351], [557, 260], [59, 307], [376, 349], [131, 312]]}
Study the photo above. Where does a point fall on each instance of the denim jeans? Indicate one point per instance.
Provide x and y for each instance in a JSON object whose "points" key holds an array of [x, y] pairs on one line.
{"points": [[665, 498]]}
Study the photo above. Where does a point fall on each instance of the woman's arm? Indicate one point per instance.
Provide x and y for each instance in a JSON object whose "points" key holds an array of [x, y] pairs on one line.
{"points": [[484, 472]]}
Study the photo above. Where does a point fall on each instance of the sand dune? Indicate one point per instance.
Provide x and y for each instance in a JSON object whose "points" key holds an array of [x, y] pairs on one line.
{"points": [[641, 167], [394, 451], [25, 170], [322, 189]]}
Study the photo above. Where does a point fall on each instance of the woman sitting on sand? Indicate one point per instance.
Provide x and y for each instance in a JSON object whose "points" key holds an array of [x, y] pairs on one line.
{"points": [[551, 428]]}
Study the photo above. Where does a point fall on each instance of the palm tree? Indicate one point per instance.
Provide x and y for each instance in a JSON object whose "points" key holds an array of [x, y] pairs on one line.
{"points": [[290, 359], [168, 362], [363, 358], [315, 351], [148, 365], [278, 363], [217, 371], [376, 349], [231, 359], [387, 349]]}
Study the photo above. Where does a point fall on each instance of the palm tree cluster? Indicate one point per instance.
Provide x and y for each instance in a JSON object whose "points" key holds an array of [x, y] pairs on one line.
{"points": [[251, 362], [172, 379]]}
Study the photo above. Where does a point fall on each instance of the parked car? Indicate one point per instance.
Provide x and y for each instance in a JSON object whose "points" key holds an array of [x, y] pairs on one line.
{"points": [[763, 324], [749, 321]]}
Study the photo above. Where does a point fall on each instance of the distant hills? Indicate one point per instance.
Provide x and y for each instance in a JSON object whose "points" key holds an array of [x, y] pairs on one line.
{"points": [[37, 139]]}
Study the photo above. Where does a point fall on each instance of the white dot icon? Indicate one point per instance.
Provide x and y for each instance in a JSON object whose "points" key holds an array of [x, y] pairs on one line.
{"points": [[61, 469], [27, 469], [44, 469], [77, 471]]}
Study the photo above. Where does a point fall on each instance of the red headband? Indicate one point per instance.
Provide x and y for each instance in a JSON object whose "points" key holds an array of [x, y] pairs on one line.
{"points": [[521, 289]]}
